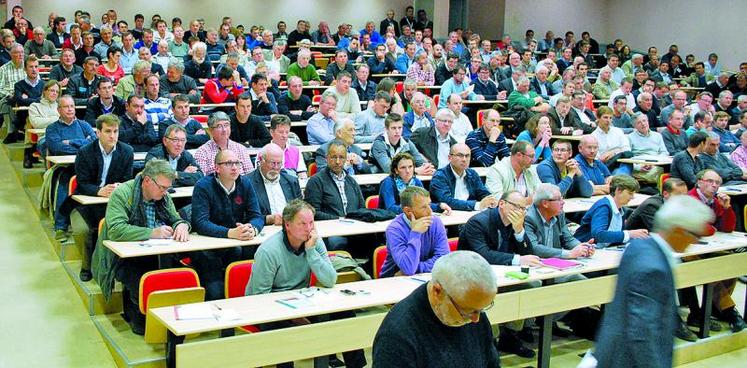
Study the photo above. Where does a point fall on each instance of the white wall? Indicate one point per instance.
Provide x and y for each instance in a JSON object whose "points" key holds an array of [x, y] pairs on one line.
{"points": [[558, 16], [268, 13], [697, 27]]}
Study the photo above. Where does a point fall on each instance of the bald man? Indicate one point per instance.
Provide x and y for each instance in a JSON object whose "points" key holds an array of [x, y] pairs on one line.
{"points": [[274, 186]]}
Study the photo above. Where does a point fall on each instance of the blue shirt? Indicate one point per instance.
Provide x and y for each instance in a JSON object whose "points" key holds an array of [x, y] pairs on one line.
{"points": [[596, 173], [107, 163], [320, 129], [78, 134], [449, 87]]}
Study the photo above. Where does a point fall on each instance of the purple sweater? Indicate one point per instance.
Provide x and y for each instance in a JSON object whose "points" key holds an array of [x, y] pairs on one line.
{"points": [[412, 252]]}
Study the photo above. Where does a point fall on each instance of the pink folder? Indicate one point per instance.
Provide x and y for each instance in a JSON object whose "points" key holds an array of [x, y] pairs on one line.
{"points": [[560, 264]]}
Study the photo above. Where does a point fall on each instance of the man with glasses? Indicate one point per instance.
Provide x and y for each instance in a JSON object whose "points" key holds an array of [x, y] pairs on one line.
{"points": [[450, 307], [415, 239], [564, 171], [138, 210], [726, 168], [172, 150], [434, 142], [488, 143], [274, 186], [459, 186], [514, 173], [320, 127], [356, 161], [457, 84], [224, 205], [219, 127]]}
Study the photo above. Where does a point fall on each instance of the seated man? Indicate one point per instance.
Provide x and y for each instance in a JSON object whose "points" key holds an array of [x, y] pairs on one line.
{"points": [[369, 124], [27, 90], [389, 144], [415, 329], [564, 122], [564, 171], [196, 135], [105, 102], [643, 216], [415, 239], [224, 205], [595, 171], [293, 103], [603, 222], [157, 108], [175, 82], [66, 69], [546, 229], [304, 70], [686, 164], [523, 96], [348, 105], [135, 129], [613, 143], [357, 159], [172, 151], [139, 209], [274, 186], [459, 186], [487, 143], [247, 128], [675, 138], [133, 83], [418, 117], [462, 126], [100, 167], [339, 64], [457, 84], [514, 173], [225, 87], [706, 191], [365, 88], [219, 127], [729, 141], [320, 127], [433, 142], [263, 102], [645, 142], [286, 260], [711, 158], [293, 160]]}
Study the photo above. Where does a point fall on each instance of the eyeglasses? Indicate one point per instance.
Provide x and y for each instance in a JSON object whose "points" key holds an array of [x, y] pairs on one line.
{"points": [[178, 140], [516, 205], [336, 158], [222, 126], [561, 150], [461, 155], [163, 188], [230, 163], [712, 181], [471, 314], [555, 199]]}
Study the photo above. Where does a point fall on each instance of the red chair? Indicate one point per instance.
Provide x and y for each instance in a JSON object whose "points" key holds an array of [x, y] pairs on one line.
{"points": [[399, 86], [379, 257], [663, 179], [316, 100], [436, 99], [283, 83], [481, 116], [200, 118], [453, 242], [161, 288], [237, 277], [44, 69], [312, 169], [372, 202], [72, 185]]}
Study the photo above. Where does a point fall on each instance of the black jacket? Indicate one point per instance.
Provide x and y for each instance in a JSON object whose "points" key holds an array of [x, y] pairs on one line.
{"points": [[94, 109], [254, 132], [289, 183], [142, 137], [184, 179], [286, 105], [427, 145], [322, 194], [486, 235], [89, 164]]}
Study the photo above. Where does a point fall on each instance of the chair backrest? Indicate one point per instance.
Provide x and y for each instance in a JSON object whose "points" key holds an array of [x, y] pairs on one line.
{"points": [[436, 99], [663, 179], [72, 185], [167, 279], [372, 202], [480, 117], [203, 119], [399, 86], [283, 83], [379, 257], [317, 99], [312, 169], [453, 242], [237, 277], [155, 331], [102, 223]]}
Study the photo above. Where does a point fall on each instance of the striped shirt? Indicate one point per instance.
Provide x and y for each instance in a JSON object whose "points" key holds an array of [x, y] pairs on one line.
{"points": [[158, 110], [9, 75]]}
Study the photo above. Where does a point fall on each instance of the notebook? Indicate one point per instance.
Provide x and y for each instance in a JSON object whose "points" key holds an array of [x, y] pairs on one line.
{"points": [[560, 264]]}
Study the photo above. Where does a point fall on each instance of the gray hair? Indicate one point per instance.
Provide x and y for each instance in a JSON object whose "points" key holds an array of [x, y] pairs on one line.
{"points": [[407, 196], [174, 127], [304, 53], [741, 98], [642, 95], [268, 149], [156, 167], [140, 65], [199, 46], [341, 123], [713, 135], [445, 114], [460, 271], [294, 207], [540, 69], [544, 191], [637, 56], [329, 94], [216, 117], [724, 93], [176, 63], [685, 212], [279, 43], [410, 83], [522, 80]]}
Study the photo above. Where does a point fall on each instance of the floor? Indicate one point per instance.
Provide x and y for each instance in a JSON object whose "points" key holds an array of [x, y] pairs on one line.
{"points": [[44, 320]]}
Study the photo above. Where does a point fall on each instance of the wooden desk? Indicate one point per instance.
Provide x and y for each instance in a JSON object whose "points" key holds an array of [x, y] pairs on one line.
{"points": [[26, 108], [568, 137], [583, 204], [182, 192], [392, 75], [648, 160], [734, 190], [484, 102], [37, 131]]}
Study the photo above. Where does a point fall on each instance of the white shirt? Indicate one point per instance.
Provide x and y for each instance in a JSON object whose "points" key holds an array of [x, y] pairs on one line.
{"points": [[460, 128], [460, 188], [419, 122], [614, 138], [274, 194], [443, 150], [584, 118], [107, 163]]}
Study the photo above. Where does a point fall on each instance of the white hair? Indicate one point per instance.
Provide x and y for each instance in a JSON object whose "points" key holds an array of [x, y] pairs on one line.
{"points": [[461, 271], [341, 123], [445, 114], [544, 191], [685, 212]]}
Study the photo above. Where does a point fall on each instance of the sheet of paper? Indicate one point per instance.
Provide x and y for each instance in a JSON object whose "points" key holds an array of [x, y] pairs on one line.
{"points": [[194, 311], [156, 242], [295, 302]]}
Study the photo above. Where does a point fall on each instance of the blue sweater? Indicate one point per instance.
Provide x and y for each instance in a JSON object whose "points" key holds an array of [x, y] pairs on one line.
{"points": [[389, 195], [576, 186], [412, 252], [540, 153], [595, 222], [214, 212], [444, 183], [596, 174], [79, 133]]}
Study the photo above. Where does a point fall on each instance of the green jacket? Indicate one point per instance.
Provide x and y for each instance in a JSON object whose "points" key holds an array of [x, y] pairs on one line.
{"points": [[125, 221], [602, 91], [516, 98], [694, 81], [125, 87], [306, 74]]}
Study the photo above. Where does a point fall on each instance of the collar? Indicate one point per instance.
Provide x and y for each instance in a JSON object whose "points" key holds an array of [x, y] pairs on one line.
{"points": [[103, 151], [228, 191], [641, 135], [615, 210], [268, 181], [463, 176], [288, 247], [673, 130], [703, 199], [337, 177]]}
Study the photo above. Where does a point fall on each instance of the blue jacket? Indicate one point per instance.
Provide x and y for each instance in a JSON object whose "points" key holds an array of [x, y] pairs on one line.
{"points": [[409, 120], [403, 63], [389, 195], [576, 186], [595, 222], [444, 183], [78, 134], [540, 153], [214, 212], [636, 329], [596, 174], [484, 152]]}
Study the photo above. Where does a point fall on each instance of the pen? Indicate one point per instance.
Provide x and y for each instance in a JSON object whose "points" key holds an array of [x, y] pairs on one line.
{"points": [[418, 279], [347, 221]]}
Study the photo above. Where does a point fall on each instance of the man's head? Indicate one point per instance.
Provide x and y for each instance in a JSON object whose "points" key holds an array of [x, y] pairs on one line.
{"points": [[588, 147], [327, 104], [709, 181], [522, 85], [271, 161], [561, 152], [344, 80], [623, 188], [548, 200], [337, 154], [725, 98], [17, 54], [382, 100], [673, 187], [578, 99], [31, 66], [458, 74], [152, 86], [417, 102], [66, 108], [681, 220], [721, 120], [227, 165], [626, 86], [454, 103], [641, 124], [174, 140], [705, 99], [677, 119], [462, 287], [712, 143], [563, 106], [157, 178], [415, 202], [459, 157], [491, 119], [107, 129], [345, 131], [280, 129], [443, 120], [679, 99], [645, 101], [522, 155], [219, 126]]}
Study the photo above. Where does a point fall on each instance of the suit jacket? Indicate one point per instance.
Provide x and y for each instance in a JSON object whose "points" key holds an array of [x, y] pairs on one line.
{"points": [[542, 246], [486, 235], [571, 120], [506, 85], [637, 327], [89, 164], [534, 85], [586, 128], [409, 119], [289, 183], [576, 186], [426, 143], [320, 157], [322, 194], [184, 179]]}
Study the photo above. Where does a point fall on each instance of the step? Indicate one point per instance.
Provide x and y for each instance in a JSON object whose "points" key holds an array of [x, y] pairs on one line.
{"points": [[90, 292], [15, 151]]}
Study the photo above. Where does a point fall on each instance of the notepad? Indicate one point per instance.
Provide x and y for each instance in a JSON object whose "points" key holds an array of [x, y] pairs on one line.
{"points": [[156, 242], [560, 264], [295, 302], [193, 312]]}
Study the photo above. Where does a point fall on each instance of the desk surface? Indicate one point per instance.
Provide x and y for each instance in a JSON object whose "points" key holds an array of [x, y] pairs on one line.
{"points": [[733, 190], [568, 137], [648, 160], [583, 204]]}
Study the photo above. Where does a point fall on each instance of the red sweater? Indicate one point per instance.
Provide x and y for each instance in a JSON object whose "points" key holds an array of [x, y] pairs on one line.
{"points": [[215, 93], [726, 219]]}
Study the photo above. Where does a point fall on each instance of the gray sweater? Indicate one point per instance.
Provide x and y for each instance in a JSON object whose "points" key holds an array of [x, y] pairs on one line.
{"points": [[277, 267]]}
